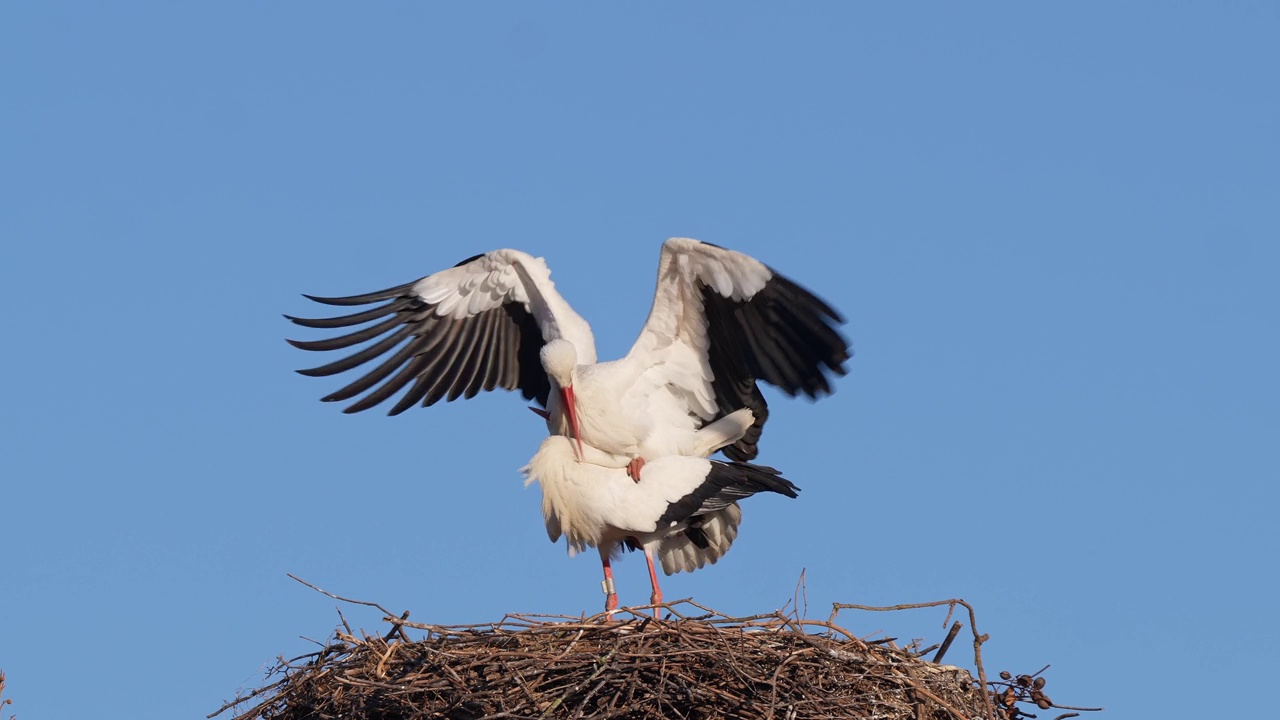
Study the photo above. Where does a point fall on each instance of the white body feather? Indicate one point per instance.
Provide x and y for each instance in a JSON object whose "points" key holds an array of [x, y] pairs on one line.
{"points": [[649, 403], [597, 506], [496, 321]]}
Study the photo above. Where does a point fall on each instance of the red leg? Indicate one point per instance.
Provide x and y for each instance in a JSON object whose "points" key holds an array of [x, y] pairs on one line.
{"points": [[610, 596], [634, 467], [656, 597]]}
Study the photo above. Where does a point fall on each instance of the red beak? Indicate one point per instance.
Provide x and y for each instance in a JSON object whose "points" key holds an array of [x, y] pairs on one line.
{"points": [[571, 409]]}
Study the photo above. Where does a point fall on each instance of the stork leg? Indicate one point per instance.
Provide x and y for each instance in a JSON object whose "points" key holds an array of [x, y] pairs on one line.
{"points": [[634, 467], [610, 596], [656, 597]]}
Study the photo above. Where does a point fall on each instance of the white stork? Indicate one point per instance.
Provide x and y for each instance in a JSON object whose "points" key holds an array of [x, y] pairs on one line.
{"points": [[685, 511], [720, 322]]}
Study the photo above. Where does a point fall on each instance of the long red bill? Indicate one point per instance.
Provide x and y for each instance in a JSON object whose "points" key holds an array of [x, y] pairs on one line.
{"points": [[571, 409]]}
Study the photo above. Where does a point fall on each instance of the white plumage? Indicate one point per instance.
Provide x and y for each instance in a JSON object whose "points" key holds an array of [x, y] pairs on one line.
{"points": [[685, 511], [720, 321]]}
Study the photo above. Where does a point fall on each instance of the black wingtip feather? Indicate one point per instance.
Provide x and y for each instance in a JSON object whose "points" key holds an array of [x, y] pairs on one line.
{"points": [[448, 358], [725, 484], [365, 298], [785, 336], [353, 338], [354, 318]]}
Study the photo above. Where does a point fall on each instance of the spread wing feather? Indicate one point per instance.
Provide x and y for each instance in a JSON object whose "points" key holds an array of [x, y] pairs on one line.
{"points": [[475, 327], [747, 323]]}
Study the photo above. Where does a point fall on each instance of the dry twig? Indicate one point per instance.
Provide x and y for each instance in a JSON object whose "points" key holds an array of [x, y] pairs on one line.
{"points": [[698, 663]]}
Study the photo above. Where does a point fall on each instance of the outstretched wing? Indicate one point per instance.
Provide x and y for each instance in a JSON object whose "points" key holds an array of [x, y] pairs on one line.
{"points": [[476, 326], [721, 321]]}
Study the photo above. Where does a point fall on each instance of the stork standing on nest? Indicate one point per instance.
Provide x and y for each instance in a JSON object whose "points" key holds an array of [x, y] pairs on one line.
{"points": [[685, 512], [720, 322]]}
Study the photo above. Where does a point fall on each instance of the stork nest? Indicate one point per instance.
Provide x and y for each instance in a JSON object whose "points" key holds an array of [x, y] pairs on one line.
{"points": [[695, 663]]}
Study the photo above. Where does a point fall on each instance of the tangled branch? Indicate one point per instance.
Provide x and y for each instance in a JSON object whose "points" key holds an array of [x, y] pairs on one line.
{"points": [[695, 663]]}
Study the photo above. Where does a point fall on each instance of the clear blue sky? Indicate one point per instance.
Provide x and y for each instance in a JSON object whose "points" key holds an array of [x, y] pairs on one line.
{"points": [[1054, 229]]}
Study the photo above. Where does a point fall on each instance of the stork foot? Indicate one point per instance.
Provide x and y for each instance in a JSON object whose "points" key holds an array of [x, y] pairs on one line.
{"points": [[634, 467]]}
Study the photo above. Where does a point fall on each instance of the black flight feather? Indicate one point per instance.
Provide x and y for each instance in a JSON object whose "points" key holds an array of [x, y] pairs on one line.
{"points": [[436, 357], [725, 484]]}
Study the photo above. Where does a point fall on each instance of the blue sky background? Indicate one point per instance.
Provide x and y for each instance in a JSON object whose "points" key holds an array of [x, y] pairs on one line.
{"points": [[1054, 230]]}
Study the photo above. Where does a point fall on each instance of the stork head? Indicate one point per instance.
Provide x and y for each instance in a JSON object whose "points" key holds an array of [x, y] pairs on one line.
{"points": [[559, 360]]}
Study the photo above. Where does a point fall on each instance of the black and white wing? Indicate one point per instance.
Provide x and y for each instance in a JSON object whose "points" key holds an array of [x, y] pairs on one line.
{"points": [[708, 514], [721, 321], [724, 484], [476, 326]]}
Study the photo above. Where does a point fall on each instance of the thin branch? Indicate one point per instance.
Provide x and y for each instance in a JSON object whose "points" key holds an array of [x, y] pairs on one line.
{"points": [[339, 597], [951, 635], [978, 639]]}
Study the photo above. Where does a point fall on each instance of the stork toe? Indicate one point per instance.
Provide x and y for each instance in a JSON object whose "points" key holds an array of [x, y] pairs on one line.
{"points": [[634, 467]]}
